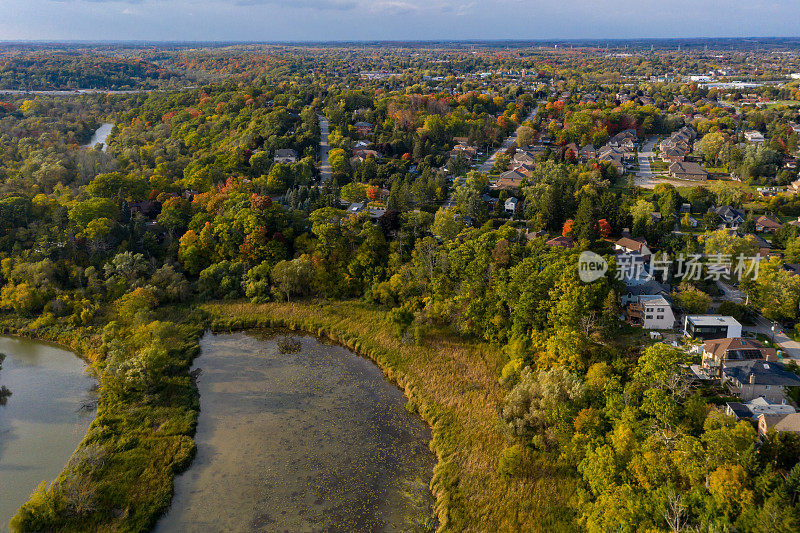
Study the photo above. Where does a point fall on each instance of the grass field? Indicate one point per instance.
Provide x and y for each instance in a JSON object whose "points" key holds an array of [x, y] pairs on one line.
{"points": [[453, 385]]}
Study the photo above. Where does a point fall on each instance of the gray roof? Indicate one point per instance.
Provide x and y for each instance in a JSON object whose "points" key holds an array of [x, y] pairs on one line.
{"points": [[765, 373]]}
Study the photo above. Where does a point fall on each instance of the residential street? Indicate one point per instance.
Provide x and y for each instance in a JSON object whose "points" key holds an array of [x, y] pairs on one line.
{"points": [[790, 347], [645, 177], [487, 165], [324, 166]]}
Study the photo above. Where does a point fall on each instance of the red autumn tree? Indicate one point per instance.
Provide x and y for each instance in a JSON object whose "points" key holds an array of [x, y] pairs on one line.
{"points": [[604, 227]]}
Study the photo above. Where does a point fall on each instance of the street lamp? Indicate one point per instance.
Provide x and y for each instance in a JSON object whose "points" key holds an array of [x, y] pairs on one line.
{"points": [[773, 333]]}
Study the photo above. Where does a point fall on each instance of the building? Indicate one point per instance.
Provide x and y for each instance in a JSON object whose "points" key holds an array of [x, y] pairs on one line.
{"points": [[759, 378], [753, 136], [720, 352], [627, 245], [779, 422], [363, 128], [687, 170], [711, 327], [651, 311], [759, 406], [512, 205], [561, 241], [733, 218], [767, 224], [285, 155]]}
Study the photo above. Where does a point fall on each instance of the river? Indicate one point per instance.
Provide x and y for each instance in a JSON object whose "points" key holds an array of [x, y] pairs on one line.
{"points": [[309, 440], [100, 136], [43, 420]]}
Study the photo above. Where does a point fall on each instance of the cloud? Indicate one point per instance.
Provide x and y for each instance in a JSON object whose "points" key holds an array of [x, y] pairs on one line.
{"points": [[319, 5]]}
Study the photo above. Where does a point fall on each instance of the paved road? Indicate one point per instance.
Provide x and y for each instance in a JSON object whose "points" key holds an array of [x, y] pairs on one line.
{"points": [[731, 293], [790, 347], [324, 166], [645, 177], [488, 165]]}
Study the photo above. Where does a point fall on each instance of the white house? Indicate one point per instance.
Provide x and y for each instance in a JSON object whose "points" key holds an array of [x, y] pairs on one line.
{"points": [[651, 311], [754, 136], [711, 327], [511, 205]]}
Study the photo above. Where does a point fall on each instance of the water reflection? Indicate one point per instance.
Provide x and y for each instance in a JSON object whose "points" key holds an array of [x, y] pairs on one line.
{"points": [[313, 439]]}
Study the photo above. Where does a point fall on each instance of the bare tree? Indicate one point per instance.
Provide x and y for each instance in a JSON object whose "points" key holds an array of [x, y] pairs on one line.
{"points": [[675, 511]]}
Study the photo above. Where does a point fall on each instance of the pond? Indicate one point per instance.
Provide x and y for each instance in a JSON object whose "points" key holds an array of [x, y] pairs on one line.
{"points": [[100, 136], [296, 434], [43, 420]]}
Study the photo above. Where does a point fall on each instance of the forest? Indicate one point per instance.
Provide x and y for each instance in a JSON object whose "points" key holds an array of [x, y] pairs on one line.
{"points": [[548, 412]]}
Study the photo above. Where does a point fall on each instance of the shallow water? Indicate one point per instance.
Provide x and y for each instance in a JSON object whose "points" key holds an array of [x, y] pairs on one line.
{"points": [[43, 420], [100, 136], [316, 440]]}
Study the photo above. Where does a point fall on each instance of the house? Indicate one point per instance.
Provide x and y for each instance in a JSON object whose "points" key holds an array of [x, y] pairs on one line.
{"points": [[561, 241], [673, 155], [629, 245], [512, 205], [779, 422], [751, 379], [767, 224], [285, 155], [651, 311], [363, 128], [355, 207], [720, 352], [795, 127], [524, 157], [753, 136], [687, 170], [733, 218], [711, 327], [587, 152], [759, 406], [649, 287], [511, 179], [794, 187]]}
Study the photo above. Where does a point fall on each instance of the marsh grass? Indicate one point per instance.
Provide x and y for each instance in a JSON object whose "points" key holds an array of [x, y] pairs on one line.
{"points": [[452, 384]]}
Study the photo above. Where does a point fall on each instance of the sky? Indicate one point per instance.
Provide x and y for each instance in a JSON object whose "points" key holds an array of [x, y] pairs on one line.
{"points": [[326, 20]]}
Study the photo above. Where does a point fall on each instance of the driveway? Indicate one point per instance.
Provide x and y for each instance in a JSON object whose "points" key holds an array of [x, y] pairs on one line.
{"points": [[324, 166]]}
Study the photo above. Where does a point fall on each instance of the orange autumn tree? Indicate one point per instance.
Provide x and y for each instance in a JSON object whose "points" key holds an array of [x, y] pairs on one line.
{"points": [[566, 231]]}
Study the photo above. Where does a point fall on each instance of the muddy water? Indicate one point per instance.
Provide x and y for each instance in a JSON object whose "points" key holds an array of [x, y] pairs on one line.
{"points": [[312, 440], [43, 420]]}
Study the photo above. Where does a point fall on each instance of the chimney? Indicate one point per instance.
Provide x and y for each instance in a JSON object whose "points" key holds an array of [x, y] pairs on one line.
{"points": [[752, 379]]}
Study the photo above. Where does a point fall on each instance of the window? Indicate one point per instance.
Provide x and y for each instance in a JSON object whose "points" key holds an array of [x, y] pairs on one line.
{"points": [[649, 317], [660, 317], [767, 387]]}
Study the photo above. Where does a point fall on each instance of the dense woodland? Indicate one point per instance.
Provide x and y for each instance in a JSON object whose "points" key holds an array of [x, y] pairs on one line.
{"points": [[114, 251]]}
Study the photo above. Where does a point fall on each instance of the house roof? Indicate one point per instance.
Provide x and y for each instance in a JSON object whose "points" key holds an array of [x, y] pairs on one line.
{"points": [[564, 242], [630, 244], [738, 349], [790, 422], [740, 410], [713, 320], [761, 373], [648, 287], [687, 167], [768, 222], [653, 299]]}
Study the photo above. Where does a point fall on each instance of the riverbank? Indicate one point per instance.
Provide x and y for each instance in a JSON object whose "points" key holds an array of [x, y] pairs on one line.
{"points": [[453, 385], [121, 475]]}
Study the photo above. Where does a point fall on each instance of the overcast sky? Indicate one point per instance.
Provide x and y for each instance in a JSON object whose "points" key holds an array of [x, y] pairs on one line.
{"points": [[314, 20]]}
